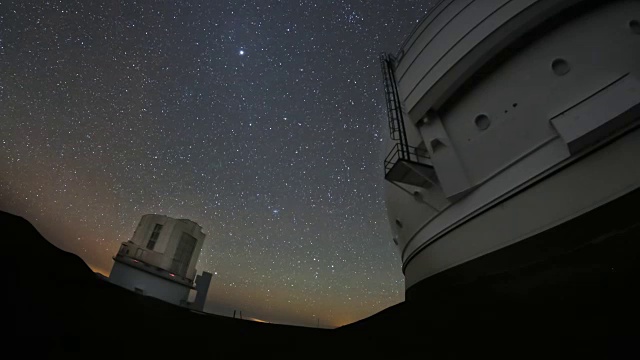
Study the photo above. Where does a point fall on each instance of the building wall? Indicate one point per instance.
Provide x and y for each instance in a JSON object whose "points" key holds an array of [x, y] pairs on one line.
{"points": [[167, 243], [524, 94], [202, 287], [151, 285], [593, 181], [193, 229], [522, 97], [145, 228]]}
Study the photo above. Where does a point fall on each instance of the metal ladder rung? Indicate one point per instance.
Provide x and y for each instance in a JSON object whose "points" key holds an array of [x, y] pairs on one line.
{"points": [[394, 109]]}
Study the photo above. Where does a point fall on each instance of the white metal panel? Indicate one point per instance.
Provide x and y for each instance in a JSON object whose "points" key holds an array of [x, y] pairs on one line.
{"points": [[600, 115], [524, 93], [595, 180], [441, 44], [427, 31], [151, 285], [526, 169]]}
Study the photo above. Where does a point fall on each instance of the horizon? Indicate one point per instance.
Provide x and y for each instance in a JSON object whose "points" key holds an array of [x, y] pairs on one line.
{"points": [[261, 121]]}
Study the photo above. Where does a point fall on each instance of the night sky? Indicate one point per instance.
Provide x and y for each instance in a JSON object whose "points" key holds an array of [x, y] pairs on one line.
{"points": [[263, 121]]}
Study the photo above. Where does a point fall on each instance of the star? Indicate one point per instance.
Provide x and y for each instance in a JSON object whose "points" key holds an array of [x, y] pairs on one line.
{"points": [[172, 122]]}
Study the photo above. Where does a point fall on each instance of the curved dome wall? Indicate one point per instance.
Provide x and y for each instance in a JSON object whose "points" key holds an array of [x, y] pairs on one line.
{"points": [[492, 88]]}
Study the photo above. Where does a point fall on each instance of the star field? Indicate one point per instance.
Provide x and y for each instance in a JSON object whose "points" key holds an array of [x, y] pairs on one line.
{"points": [[261, 120]]}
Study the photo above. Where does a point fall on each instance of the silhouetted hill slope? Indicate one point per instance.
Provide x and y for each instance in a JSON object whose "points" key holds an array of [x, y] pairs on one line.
{"points": [[574, 302], [56, 294], [587, 291]]}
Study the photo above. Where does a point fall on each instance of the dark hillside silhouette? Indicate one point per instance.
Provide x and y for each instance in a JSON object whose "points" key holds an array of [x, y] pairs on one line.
{"points": [[574, 301]]}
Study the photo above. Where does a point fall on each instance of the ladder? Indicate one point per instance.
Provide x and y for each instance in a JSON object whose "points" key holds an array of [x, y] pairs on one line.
{"points": [[392, 100]]}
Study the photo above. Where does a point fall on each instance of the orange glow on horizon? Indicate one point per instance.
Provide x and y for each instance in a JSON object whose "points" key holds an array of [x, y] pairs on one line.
{"points": [[258, 320], [99, 270]]}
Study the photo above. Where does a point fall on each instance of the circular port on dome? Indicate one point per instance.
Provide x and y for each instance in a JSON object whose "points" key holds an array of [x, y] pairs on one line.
{"points": [[482, 122], [560, 67], [399, 223]]}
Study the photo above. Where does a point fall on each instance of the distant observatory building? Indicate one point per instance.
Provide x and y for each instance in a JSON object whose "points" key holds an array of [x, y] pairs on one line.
{"points": [[160, 261]]}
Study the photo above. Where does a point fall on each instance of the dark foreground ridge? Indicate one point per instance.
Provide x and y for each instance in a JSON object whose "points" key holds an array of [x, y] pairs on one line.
{"points": [[591, 308]]}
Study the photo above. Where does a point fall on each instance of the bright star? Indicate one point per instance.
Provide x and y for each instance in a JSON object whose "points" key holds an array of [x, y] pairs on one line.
{"points": [[241, 52]]}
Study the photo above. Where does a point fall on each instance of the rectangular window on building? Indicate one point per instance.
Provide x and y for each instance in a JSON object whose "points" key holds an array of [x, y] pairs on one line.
{"points": [[154, 237]]}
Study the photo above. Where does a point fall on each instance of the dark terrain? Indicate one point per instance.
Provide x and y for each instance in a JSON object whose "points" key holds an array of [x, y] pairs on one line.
{"points": [[57, 302]]}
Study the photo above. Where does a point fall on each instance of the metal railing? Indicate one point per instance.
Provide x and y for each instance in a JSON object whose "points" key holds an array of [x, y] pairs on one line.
{"points": [[406, 153]]}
